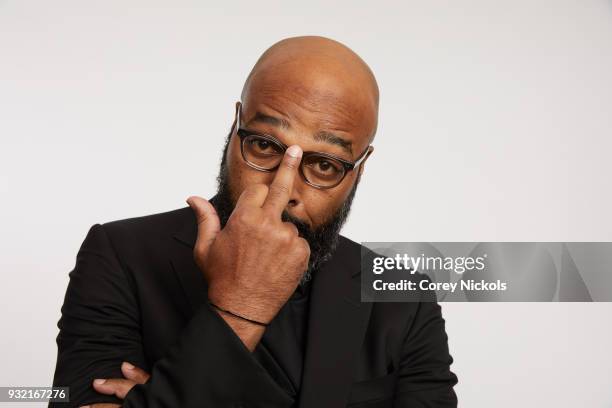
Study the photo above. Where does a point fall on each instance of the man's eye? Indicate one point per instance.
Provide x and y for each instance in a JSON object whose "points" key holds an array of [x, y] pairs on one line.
{"points": [[260, 145], [325, 167]]}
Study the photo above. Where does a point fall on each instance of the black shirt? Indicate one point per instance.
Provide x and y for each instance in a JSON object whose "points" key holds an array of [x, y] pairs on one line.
{"points": [[282, 347]]}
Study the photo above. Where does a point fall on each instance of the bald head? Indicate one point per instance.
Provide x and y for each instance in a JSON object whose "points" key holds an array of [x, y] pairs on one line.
{"points": [[316, 79]]}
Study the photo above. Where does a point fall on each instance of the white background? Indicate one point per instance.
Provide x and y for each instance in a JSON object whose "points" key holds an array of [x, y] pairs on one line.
{"points": [[495, 125]]}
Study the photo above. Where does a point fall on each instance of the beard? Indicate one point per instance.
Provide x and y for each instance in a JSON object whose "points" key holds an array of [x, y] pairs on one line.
{"points": [[322, 240]]}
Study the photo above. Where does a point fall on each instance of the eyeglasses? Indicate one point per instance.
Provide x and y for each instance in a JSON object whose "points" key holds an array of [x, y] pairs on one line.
{"points": [[320, 170]]}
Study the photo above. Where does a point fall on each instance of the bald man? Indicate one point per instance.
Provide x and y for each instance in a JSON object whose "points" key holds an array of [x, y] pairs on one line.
{"points": [[252, 299]]}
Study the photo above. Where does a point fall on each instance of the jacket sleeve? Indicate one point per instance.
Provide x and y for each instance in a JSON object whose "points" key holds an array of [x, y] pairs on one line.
{"points": [[100, 328], [424, 378]]}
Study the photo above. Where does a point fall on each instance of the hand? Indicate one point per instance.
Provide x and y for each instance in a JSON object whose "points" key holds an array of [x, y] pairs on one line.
{"points": [[119, 386], [255, 263]]}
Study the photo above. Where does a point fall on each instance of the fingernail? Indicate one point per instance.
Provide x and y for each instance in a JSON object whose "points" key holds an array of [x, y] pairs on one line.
{"points": [[128, 365], [294, 151], [99, 381]]}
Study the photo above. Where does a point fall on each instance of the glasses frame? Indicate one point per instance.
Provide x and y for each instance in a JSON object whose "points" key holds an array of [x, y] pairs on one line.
{"points": [[346, 165]]}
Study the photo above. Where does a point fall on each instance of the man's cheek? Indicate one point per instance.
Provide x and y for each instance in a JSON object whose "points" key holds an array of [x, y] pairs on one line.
{"points": [[320, 209]]}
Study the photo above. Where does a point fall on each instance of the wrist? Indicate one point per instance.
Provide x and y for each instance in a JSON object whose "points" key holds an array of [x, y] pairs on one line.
{"points": [[238, 315], [250, 334], [249, 307]]}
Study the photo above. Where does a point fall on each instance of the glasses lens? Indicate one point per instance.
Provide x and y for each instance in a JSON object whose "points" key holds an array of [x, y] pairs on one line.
{"points": [[262, 152], [322, 171]]}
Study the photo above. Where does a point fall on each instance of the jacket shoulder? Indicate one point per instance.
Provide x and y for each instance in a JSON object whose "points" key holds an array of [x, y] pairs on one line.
{"points": [[148, 227], [349, 243]]}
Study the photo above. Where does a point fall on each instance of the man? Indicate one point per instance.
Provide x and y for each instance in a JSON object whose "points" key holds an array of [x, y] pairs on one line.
{"points": [[253, 299]]}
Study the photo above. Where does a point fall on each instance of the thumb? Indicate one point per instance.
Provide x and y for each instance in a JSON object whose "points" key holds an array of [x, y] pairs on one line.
{"points": [[208, 222]]}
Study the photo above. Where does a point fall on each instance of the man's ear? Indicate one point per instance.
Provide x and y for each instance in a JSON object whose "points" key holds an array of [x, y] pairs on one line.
{"points": [[361, 166]]}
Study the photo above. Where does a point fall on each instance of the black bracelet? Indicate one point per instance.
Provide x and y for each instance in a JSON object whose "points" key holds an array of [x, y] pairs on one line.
{"points": [[237, 315]]}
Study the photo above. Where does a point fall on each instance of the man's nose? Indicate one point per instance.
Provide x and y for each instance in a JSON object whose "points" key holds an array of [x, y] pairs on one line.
{"points": [[295, 199]]}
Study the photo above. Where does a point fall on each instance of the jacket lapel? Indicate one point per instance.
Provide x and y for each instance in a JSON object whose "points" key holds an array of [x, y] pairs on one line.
{"points": [[336, 326], [189, 275]]}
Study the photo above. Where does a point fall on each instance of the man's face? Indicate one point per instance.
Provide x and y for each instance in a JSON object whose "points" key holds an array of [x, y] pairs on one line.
{"points": [[334, 116], [318, 115], [311, 205]]}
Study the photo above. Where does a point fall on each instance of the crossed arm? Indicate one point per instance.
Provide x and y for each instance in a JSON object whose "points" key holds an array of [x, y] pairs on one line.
{"points": [[99, 330]]}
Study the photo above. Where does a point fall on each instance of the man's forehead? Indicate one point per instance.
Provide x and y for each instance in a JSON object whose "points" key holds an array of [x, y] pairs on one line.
{"points": [[314, 85], [324, 123], [277, 118], [310, 105]]}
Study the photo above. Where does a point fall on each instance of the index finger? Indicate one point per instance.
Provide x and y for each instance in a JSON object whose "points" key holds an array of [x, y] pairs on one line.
{"points": [[282, 185]]}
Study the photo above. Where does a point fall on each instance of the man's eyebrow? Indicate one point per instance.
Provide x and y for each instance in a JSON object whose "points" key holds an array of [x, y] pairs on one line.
{"points": [[322, 136], [329, 137], [269, 120]]}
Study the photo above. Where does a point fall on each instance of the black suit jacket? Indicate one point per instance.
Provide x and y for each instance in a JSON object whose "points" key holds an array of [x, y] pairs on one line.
{"points": [[136, 295]]}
